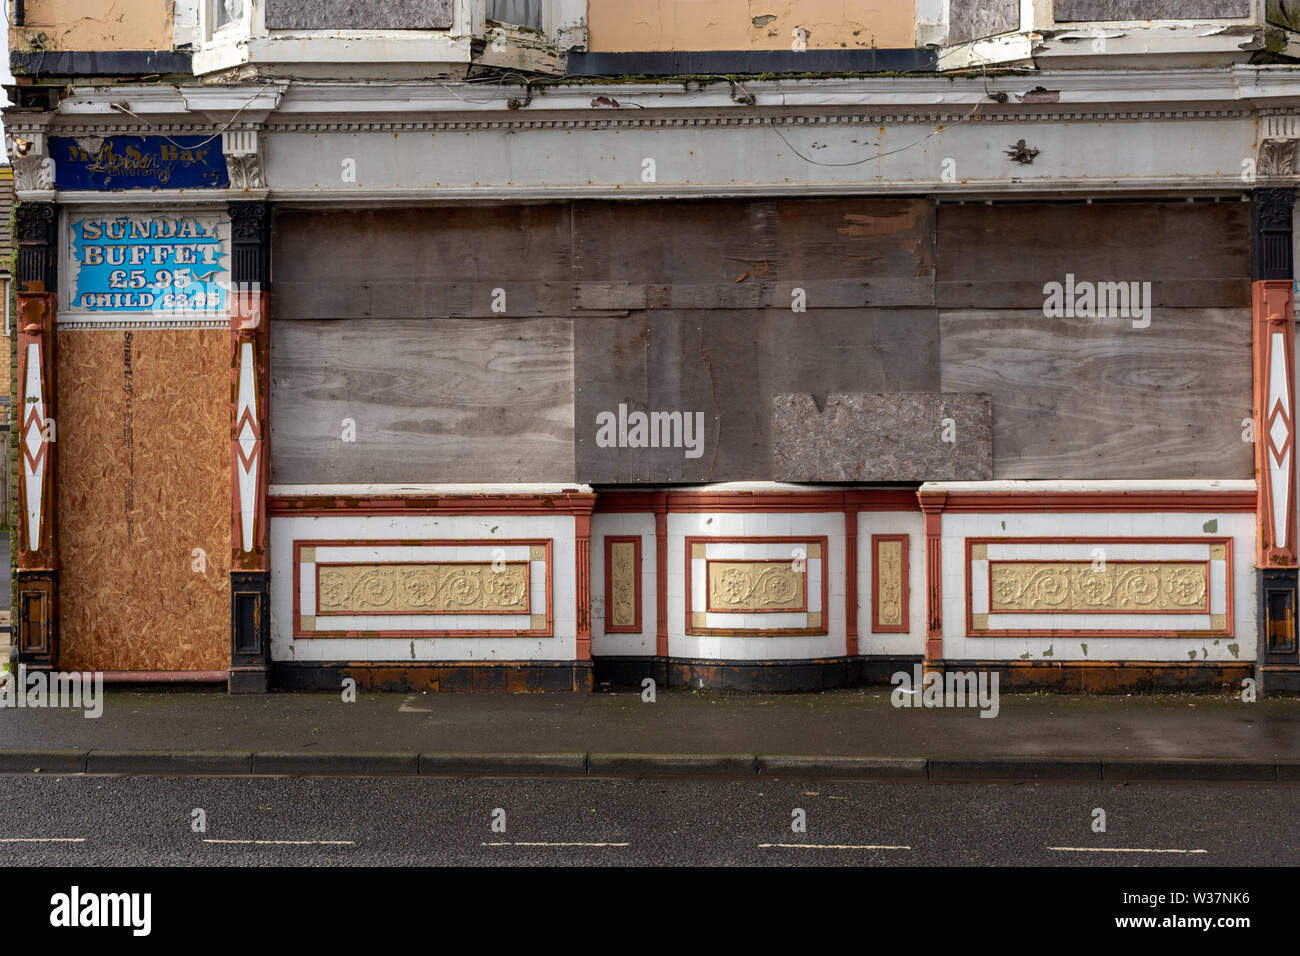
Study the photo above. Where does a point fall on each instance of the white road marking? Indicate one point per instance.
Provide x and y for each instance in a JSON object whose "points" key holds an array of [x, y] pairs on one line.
{"points": [[287, 842], [554, 844], [829, 846], [1111, 849], [42, 839]]}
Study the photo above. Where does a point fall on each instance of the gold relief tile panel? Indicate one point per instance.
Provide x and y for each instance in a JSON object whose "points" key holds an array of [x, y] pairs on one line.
{"points": [[537, 622], [698, 549], [307, 555], [622, 583], [1218, 552], [815, 619], [889, 583], [453, 588], [815, 551], [737, 586], [537, 552], [979, 622], [979, 552], [1076, 586]]}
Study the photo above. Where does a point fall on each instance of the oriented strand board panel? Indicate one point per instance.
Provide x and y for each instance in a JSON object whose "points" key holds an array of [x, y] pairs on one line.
{"points": [[451, 400], [1097, 398], [1069, 10], [726, 366], [973, 19], [96, 25], [617, 26], [422, 263], [358, 14], [902, 436], [144, 479]]}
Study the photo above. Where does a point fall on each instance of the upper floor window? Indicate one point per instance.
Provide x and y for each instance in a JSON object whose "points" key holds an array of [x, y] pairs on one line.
{"points": [[226, 12], [522, 13]]}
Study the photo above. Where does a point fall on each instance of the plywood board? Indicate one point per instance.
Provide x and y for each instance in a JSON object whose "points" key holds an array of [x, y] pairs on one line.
{"points": [[1002, 256], [727, 365], [431, 400], [1094, 398], [421, 263], [144, 479]]}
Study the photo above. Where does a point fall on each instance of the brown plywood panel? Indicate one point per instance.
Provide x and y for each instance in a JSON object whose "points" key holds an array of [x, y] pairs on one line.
{"points": [[776, 244], [727, 366], [1097, 398], [418, 263], [144, 478], [432, 400], [1001, 256]]}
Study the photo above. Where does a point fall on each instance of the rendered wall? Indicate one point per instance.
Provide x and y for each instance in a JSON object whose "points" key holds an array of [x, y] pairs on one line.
{"points": [[617, 26], [93, 25]]}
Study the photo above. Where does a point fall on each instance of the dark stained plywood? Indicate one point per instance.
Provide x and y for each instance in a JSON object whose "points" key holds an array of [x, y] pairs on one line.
{"points": [[900, 436], [358, 14], [1094, 398], [1070, 10], [421, 263], [770, 243], [728, 365], [1001, 256], [973, 19], [433, 400]]}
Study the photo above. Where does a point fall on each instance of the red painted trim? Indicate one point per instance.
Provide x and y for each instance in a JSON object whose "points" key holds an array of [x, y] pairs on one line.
{"points": [[582, 578], [623, 502], [1273, 308], [610, 541], [905, 596], [661, 582], [300, 634], [566, 503], [1229, 586], [35, 326], [993, 561], [933, 505], [248, 324], [779, 502], [1122, 502], [802, 609], [851, 580], [760, 632], [528, 597]]}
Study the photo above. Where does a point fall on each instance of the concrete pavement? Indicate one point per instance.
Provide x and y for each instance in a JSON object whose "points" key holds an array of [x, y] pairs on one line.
{"points": [[849, 734]]}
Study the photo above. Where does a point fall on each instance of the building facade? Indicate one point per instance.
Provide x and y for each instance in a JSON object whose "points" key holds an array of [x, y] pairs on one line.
{"points": [[496, 344]]}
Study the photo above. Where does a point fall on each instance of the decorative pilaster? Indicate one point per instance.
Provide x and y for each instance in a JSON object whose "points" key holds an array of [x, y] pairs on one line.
{"points": [[250, 634], [582, 556], [850, 580], [1273, 335], [661, 579], [932, 506], [36, 562]]}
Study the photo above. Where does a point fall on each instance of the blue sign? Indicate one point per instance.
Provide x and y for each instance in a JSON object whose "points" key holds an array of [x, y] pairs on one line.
{"points": [[140, 162], [167, 265]]}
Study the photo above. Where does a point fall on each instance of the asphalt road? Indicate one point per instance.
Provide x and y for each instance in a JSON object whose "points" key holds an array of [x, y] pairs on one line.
{"points": [[100, 820]]}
